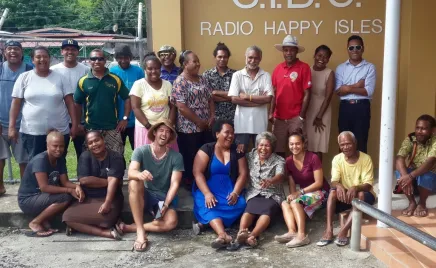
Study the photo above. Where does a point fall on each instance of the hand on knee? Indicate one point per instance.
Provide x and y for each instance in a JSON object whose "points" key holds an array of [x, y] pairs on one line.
{"points": [[361, 195]]}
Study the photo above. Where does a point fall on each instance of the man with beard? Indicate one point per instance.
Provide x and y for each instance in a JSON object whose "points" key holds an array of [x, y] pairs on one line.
{"points": [[9, 72], [72, 70], [292, 80], [352, 177], [251, 90], [416, 165], [155, 174], [167, 56]]}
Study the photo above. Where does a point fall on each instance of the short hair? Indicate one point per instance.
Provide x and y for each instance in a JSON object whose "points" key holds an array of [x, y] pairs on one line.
{"points": [[299, 133], [347, 133], [223, 47], [151, 56], [255, 48], [183, 59], [53, 133], [98, 50], [324, 47], [218, 125], [96, 132], [267, 136], [32, 53], [428, 118], [123, 50], [355, 37]]}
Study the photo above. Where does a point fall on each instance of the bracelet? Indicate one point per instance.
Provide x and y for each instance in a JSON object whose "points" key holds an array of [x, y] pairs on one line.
{"points": [[250, 97], [302, 191], [301, 118], [235, 194], [148, 125], [332, 189]]}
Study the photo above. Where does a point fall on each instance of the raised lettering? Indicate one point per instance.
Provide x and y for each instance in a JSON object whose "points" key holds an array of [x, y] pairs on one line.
{"points": [[293, 25], [282, 28], [317, 26], [345, 4], [218, 29], [292, 5], [304, 25], [208, 25], [377, 26], [272, 28], [242, 27], [246, 6], [227, 28]]}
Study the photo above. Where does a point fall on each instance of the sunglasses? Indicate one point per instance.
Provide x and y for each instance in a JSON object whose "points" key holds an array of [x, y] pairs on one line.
{"points": [[97, 58], [358, 48], [165, 54]]}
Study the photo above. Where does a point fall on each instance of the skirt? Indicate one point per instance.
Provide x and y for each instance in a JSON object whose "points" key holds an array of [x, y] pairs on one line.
{"points": [[35, 204], [260, 205], [87, 212], [312, 201], [142, 139]]}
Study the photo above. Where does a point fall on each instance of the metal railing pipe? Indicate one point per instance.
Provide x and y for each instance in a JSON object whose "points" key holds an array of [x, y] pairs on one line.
{"points": [[418, 235]]}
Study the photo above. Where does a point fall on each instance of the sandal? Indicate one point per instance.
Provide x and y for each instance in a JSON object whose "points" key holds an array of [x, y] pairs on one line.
{"points": [[41, 233], [68, 231], [341, 242], [219, 243], [115, 234], [196, 228], [118, 227], [142, 246], [324, 242]]}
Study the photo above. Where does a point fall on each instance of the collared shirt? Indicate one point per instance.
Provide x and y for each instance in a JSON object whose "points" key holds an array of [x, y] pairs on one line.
{"points": [[169, 76], [290, 83], [129, 76], [223, 110], [349, 175], [272, 167], [251, 120], [423, 151], [348, 74], [100, 96]]}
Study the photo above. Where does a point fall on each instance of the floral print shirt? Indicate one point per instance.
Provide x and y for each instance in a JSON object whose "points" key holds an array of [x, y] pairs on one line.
{"points": [[273, 166], [195, 95], [423, 151], [223, 110]]}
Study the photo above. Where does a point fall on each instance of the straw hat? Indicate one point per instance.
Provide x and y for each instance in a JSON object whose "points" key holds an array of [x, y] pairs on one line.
{"points": [[166, 122], [289, 41]]}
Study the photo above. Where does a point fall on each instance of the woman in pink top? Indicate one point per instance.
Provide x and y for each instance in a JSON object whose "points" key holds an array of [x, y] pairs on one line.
{"points": [[305, 169]]}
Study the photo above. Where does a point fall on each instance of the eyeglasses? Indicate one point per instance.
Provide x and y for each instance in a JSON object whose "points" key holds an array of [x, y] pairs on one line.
{"points": [[165, 54], [97, 59], [358, 48]]}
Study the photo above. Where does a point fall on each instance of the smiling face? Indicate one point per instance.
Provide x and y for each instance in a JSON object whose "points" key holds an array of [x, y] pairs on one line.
{"points": [[423, 131], [192, 65], [152, 69], [253, 60], [296, 144], [264, 149], [347, 145], [163, 135], [41, 60], [354, 53], [98, 61], [226, 136], [290, 54], [222, 59], [56, 146], [13, 54], [124, 62], [95, 143], [167, 58], [70, 54], [322, 57]]}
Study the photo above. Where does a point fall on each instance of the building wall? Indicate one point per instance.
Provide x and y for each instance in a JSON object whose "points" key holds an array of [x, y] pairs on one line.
{"points": [[316, 26]]}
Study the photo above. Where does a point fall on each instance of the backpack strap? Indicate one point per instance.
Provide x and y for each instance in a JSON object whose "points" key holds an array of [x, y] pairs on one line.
{"points": [[414, 150]]}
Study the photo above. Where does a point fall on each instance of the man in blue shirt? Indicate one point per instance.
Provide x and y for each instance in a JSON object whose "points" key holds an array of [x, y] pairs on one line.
{"points": [[9, 72], [129, 74], [167, 56], [355, 84]]}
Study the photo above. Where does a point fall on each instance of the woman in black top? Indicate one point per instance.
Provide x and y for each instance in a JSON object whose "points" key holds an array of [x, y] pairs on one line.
{"points": [[100, 173]]}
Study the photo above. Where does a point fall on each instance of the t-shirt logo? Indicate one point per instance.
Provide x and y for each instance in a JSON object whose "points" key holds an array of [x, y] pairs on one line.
{"points": [[54, 178], [293, 76]]}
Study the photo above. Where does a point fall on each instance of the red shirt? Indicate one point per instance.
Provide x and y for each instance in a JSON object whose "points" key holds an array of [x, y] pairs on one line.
{"points": [[290, 84]]}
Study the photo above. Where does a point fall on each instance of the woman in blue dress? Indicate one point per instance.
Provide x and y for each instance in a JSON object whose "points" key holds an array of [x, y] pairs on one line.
{"points": [[220, 175]]}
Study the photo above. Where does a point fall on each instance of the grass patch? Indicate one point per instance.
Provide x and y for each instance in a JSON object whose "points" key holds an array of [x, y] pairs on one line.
{"points": [[71, 162]]}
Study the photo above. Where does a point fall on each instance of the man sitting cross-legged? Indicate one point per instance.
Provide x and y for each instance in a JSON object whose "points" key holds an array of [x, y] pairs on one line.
{"points": [[352, 177], [419, 149], [154, 174]]}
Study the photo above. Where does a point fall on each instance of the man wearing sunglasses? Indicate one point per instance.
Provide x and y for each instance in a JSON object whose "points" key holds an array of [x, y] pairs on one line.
{"points": [[355, 84], [100, 89], [167, 56]]}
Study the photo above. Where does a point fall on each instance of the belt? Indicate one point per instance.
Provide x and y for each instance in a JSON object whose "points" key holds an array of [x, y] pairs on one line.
{"points": [[355, 101]]}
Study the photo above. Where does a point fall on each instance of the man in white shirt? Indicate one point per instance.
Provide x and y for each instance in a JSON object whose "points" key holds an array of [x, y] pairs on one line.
{"points": [[251, 90], [72, 71]]}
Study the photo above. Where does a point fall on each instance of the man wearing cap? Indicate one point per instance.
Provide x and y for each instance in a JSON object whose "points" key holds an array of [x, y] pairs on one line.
{"points": [[167, 56], [9, 72], [129, 74], [99, 90], [155, 174], [72, 70], [291, 80], [355, 84]]}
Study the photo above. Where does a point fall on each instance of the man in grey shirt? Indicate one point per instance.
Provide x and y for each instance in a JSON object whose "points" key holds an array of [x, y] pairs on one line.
{"points": [[9, 72]]}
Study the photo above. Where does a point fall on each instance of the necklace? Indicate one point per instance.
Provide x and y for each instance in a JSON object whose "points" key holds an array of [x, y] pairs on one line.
{"points": [[154, 155]]}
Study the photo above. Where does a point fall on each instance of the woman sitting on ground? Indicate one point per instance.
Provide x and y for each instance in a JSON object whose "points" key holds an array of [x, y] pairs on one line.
{"points": [[45, 190], [100, 172], [265, 191], [220, 175], [305, 169]]}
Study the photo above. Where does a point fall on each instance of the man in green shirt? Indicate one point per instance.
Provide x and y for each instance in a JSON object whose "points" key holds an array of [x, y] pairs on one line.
{"points": [[155, 174], [98, 91], [416, 165]]}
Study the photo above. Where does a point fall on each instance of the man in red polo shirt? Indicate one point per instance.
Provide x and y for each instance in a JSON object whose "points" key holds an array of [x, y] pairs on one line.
{"points": [[291, 80]]}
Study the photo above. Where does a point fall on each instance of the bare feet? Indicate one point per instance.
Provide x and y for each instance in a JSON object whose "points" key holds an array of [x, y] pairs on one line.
{"points": [[328, 235], [48, 227], [420, 211], [2, 190], [409, 211]]}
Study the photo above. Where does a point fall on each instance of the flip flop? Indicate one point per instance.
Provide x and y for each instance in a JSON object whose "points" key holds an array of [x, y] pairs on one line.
{"points": [[3, 192], [196, 228], [41, 233], [234, 245], [142, 246], [115, 234], [219, 243], [118, 227], [68, 231], [341, 242], [324, 242]]}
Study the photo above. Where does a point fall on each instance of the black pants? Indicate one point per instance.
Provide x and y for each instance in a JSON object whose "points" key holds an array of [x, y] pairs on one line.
{"points": [[355, 116], [129, 132], [78, 145], [189, 143]]}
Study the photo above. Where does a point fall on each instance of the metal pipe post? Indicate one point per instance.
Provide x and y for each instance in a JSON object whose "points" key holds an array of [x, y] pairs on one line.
{"points": [[3, 18], [10, 174], [356, 229], [140, 21], [389, 100]]}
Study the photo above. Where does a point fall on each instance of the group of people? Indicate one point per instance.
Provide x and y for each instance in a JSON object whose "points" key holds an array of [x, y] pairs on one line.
{"points": [[194, 131]]}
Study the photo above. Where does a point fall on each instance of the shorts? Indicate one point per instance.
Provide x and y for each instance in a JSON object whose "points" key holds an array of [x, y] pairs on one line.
{"points": [[20, 154], [282, 129], [35, 204], [341, 206], [152, 200], [426, 180]]}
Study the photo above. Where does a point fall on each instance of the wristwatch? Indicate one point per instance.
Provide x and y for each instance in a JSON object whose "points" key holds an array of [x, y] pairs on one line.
{"points": [[148, 126], [302, 191], [124, 117], [301, 118]]}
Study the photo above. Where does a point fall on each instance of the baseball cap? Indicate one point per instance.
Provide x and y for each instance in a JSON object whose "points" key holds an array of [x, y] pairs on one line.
{"points": [[166, 48], [70, 42], [12, 43]]}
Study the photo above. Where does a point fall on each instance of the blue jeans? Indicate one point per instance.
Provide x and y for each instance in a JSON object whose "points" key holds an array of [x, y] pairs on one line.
{"points": [[426, 180], [36, 144]]}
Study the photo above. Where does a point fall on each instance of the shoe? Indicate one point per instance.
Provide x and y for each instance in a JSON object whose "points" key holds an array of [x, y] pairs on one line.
{"points": [[284, 238], [298, 243]]}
